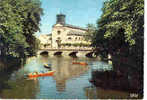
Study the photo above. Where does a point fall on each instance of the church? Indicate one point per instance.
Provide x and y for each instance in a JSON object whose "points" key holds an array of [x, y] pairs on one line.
{"points": [[64, 35]]}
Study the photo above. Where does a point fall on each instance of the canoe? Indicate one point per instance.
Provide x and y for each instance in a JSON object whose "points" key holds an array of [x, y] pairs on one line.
{"points": [[75, 62], [81, 63], [50, 73]]}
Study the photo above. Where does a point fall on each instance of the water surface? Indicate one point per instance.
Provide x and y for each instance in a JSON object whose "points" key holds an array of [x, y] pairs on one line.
{"points": [[69, 81]]}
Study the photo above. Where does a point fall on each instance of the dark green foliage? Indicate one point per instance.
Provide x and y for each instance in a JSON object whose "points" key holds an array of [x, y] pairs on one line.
{"points": [[19, 20], [120, 32], [121, 25], [90, 32]]}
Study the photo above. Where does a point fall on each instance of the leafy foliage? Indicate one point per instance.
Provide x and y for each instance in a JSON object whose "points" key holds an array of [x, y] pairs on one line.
{"points": [[19, 20], [122, 23], [123, 15], [90, 32]]}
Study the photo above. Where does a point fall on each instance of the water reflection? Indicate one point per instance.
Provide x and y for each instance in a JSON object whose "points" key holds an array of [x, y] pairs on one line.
{"points": [[60, 85], [69, 81], [20, 89], [94, 93], [65, 70]]}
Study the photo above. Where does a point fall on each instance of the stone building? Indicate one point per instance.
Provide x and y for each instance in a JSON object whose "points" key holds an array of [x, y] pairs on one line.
{"points": [[64, 35], [45, 40]]}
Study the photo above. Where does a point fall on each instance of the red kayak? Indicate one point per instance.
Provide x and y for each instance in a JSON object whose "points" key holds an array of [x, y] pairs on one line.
{"points": [[81, 63], [50, 73]]}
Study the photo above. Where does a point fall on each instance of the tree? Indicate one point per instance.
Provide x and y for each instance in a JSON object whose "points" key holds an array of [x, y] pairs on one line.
{"points": [[120, 33], [19, 20], [122, 23], [90, 32]]}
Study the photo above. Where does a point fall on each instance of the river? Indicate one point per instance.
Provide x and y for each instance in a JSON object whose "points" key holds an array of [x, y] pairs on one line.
{"points": [[69, 81]]}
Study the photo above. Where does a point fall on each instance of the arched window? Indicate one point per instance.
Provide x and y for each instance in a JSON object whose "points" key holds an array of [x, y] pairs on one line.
{"points": [[79, 38], [58, 32], [76, 38]]}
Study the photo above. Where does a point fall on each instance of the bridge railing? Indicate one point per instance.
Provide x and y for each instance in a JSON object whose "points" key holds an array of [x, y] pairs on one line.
{"points": [[68, 49]]}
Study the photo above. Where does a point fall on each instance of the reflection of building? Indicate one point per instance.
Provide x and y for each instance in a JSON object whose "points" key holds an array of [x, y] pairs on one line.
{"points": [[64, 35], [60, 85], [65, 70]]}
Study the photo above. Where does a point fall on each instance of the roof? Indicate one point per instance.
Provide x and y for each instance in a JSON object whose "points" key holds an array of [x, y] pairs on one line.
{"points": [[50, 34], [75, 33], [73, 26], [76, 27]]}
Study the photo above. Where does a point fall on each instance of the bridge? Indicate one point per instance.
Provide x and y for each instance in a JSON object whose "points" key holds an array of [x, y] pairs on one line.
{"points": [[79, 52]]}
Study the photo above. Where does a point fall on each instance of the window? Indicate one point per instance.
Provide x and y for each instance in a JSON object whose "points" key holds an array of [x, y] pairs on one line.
{"points": [[76, 38], [69, 38], [58, 32], [58, 38]]}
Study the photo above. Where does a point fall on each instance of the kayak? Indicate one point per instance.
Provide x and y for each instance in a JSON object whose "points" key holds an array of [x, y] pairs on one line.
{"points": [[50, 73], [81, 63], [48, 66]]}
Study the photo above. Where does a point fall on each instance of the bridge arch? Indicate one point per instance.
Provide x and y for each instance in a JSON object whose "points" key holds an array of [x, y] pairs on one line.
{"points": [[44, 53], [89, 54], [58, 53], [95, 54], [73, 54], [66, 52]]}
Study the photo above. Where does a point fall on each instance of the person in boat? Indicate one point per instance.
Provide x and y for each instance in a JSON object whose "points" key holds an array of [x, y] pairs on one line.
{"points": [[48, 66], [34, 73]]}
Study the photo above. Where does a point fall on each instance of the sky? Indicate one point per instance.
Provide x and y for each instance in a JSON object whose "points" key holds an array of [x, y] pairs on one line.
{"points": [[78, 13]]}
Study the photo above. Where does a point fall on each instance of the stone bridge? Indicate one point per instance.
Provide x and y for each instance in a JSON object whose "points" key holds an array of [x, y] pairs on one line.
{"points": [[69, 52]]}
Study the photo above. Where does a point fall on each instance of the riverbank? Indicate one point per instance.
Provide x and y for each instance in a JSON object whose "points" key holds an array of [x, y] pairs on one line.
{"points": [[125, 76], [7, 63]]}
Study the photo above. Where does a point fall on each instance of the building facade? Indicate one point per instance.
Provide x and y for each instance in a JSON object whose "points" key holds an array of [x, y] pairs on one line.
{"points": [[64, 35]]}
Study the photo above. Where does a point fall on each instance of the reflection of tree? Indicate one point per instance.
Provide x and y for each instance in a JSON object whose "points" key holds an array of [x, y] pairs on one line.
{"points": [[20, 89], [94, 93], [90, 92]]}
